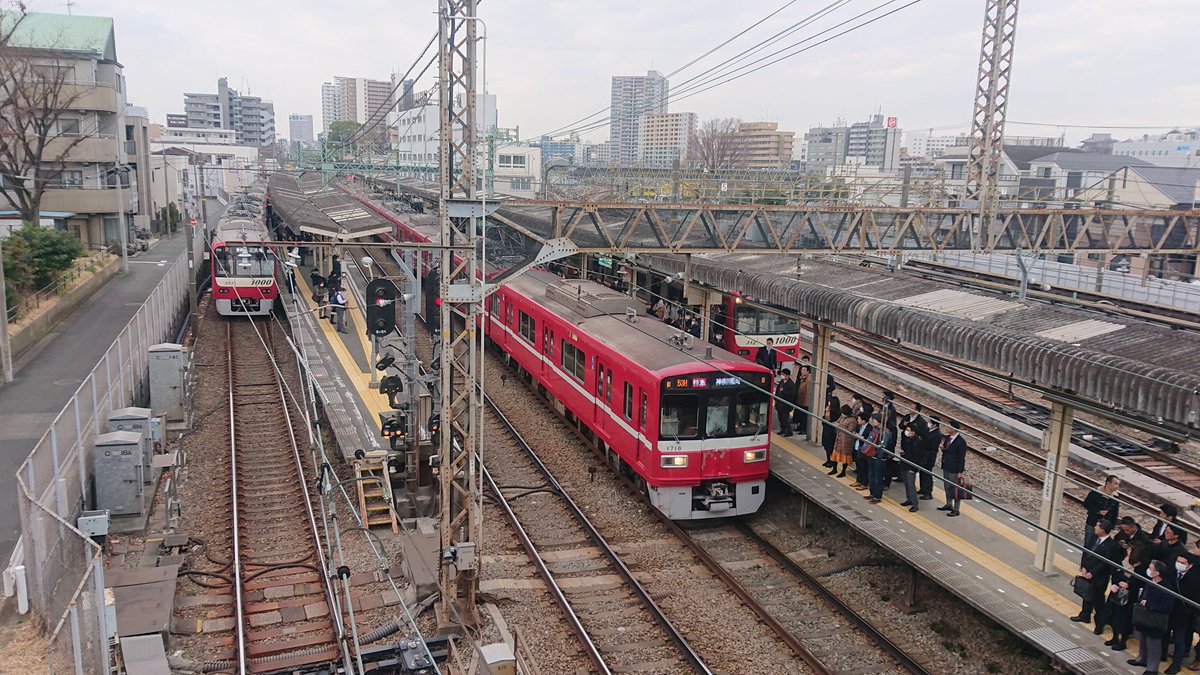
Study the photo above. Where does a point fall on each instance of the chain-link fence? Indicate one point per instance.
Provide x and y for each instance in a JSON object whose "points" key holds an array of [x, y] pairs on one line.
{"points": [[64, 569]]}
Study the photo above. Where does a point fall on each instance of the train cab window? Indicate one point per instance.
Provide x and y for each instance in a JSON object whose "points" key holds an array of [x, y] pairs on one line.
{"points": [[679, 417], [527, 328], [608, 387], [716, 415], [750, 413], [628, 410]]}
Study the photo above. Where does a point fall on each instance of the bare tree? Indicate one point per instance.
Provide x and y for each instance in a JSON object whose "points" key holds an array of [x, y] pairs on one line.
{"points": [[718, 145], [37, 129]]}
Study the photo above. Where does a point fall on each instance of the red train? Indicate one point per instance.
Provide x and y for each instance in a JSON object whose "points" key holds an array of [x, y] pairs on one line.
{"points": [[690, 423], [244, 271]]}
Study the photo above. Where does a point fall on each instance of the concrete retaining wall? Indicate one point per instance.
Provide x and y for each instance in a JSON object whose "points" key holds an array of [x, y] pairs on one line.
{"points": [[32, 332]]}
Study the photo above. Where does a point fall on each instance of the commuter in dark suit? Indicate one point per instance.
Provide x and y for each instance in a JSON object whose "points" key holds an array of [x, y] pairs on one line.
{"points": [[954, 462], [1167, 513], [1183, 615], [1130, 533], [1097, 566], [1174, 544], [933, 443], [1099, 504], [1156, 599]]}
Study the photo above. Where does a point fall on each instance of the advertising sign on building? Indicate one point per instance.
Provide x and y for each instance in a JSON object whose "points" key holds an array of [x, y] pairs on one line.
{"points": [[891, 122]]}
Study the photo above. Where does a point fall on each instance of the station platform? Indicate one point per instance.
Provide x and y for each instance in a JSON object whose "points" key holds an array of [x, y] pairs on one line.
{"points": [[1143, 486], [984, 557], [340, 366]]}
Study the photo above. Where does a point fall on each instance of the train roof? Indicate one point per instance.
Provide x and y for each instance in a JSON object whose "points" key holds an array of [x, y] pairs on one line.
{"points": [[600, 312], [239, 228]]}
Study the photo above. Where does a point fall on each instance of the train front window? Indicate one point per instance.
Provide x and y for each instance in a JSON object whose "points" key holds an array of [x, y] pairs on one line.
{"points": [[243, 261], [732, 414], [750, 412], [680, 417], [753, 321], [716, 415]]}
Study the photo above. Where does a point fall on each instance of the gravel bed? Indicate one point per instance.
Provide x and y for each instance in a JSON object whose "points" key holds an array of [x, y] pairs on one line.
{"points": [[724, 632], [948, 636]]}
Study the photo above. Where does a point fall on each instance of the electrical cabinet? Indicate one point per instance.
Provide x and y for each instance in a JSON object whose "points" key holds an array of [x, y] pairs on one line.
{"points": [[117, 461], [170, 382], [136, 420]]}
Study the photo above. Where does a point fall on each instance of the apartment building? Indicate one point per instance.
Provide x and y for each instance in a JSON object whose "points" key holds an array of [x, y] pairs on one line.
{"points": [[300, 129], [251, 117], [631, 98], [666, 138], [105, 157], [761, 145]]}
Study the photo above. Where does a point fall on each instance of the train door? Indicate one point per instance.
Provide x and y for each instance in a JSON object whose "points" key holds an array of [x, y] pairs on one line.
{"points": [[604, 394]]}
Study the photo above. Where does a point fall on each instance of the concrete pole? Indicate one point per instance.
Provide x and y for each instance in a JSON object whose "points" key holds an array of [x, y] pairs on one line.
{"points": [[5, 342], [822, 339], [1056, 444], [121, 194]]}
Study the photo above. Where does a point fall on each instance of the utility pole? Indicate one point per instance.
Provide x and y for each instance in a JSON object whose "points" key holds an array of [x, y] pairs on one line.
{"points": [[124, 234], [5, 341], [987, 122], [462, 293]]}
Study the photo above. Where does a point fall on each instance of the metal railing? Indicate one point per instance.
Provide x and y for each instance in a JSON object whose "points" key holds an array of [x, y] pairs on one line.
{"points": [[61, 569], [58, 286], [1182, 295]]}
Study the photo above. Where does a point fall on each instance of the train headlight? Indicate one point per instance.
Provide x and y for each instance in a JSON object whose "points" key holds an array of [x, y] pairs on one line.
{"points": [[674, 461], [754, 456]]}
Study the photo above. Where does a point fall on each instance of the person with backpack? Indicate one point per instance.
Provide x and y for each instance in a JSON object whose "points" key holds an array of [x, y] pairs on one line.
{"points": [[339, 309]]}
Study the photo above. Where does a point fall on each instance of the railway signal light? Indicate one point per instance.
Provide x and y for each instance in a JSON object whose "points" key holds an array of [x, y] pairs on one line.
{"points": [[393, 426], [381, 307]]}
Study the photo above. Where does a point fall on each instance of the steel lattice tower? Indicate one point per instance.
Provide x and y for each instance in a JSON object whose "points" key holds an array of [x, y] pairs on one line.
{"points": [[461, 292], [987, 122]]}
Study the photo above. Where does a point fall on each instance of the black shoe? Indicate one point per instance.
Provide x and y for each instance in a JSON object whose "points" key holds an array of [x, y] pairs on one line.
{"points": [[1135, 662], [842, 474], [1175, 668], [828, 464], [906, 503], [913, 509], [1109, 643], [1098, 630], [925, 497], [945, 508], [831, 471], [1119, 646], [1079, 618], [953, 514]]}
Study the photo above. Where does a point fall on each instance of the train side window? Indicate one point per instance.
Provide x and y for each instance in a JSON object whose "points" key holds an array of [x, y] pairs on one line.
{"points": [[645, 407], [573, 360], [628, 409], [496, 306], [549, 347], [608, 387], [528, 329]]}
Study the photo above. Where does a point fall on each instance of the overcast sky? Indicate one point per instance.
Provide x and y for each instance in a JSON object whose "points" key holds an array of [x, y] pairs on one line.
{"points": [[1078, 62]]}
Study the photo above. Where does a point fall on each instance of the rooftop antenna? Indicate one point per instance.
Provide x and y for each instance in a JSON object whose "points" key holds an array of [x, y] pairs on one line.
{"points": [[70, 5]]}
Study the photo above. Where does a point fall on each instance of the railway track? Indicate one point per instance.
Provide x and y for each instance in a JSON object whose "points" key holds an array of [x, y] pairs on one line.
{"points": [[620, 626], [285, 613]]}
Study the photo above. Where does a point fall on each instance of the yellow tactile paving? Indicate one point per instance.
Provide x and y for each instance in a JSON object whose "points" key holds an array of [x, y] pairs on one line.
{"points": [[371, 398], [1060, 603]]}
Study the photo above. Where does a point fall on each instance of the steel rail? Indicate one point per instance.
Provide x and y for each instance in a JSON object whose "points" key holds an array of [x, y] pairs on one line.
{"points": [[594, 534], [531, 549], [895, 651], [238, 601]]}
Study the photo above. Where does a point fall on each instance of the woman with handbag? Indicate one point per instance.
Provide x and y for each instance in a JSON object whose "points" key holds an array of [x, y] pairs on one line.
{"points": [[843, 445], [1123, 594], [1150, 617]]}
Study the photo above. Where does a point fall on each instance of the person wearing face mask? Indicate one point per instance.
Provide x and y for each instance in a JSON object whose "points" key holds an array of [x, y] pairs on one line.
{"points": [[912, 453], [1183, 615], [1157, 600]]}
